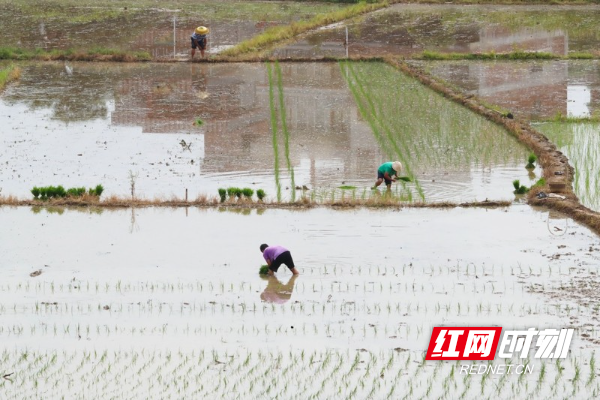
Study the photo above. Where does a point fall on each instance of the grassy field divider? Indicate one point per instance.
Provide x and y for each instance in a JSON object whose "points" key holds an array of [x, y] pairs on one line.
{"points": [[9, 74], [558, 173], [95, 54], [514, 55], [277, 34], [284, 128]]}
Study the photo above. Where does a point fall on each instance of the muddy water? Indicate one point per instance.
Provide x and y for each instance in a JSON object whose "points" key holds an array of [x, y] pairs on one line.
{"points": [[530, 89], [581, 144], [159, 288], [99, 122], [205, 244], [160, 266], [142, 25], [409, 30]]}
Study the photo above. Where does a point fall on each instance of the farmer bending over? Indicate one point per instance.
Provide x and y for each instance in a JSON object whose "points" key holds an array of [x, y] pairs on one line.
{"points": [[199, 40], [385, 173], [277, 255]]}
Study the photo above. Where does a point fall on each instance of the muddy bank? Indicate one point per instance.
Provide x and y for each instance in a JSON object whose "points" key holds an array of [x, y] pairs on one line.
{"points": [[381, 201], [557, 170]]}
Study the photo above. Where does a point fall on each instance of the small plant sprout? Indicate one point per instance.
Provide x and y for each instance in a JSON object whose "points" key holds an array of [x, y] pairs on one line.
{"points": [[198, 122], [260, 194], [531, 161]]}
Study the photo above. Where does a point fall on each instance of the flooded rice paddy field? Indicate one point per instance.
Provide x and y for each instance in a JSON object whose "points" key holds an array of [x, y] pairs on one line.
{"points": [[168, 302], [409, 29], [580, 142], [269, 126], [535, 90], [161, 28]]}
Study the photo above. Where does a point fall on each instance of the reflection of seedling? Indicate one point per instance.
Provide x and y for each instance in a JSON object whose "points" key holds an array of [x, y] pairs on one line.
{"points": [[223, 195], [530, 161], [518, 188], [264, 270], [260, 194], [247, 192]]}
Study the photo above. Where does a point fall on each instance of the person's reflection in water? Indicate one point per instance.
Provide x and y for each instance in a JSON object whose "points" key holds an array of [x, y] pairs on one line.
{"points": [[276, 291]]}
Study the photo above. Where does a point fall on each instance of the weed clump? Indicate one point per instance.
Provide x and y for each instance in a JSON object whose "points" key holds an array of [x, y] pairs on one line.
{"points": [[198, 122]]}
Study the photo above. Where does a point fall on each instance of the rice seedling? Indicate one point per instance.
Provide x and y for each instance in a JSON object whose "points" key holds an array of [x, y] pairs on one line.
{"points": [[198, 122], [260, 194], [519, 189], [8, 74], [222, 194], [531, 159], [248, 193]]}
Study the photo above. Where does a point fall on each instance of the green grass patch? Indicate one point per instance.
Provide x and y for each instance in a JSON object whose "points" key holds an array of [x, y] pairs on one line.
{"points": [[9, 74], [515, 55], [347, 187], [94, 54]]}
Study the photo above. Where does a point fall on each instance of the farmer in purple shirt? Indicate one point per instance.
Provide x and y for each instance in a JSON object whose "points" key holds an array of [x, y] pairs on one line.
{"points": [[277, 255]]}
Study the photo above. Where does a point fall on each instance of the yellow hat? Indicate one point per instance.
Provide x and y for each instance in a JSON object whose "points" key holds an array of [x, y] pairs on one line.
{"points": [[201, 30]]}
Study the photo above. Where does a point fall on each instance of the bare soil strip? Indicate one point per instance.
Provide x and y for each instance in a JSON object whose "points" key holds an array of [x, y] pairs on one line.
{"points": [[208, 202]]}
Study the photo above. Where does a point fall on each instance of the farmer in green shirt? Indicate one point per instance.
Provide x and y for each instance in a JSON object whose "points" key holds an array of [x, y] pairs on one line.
{"points": [[386, 171]]}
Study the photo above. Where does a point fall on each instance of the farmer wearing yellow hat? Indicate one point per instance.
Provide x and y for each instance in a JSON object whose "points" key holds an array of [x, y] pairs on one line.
{"points": [[199, 40], [386, 171]]}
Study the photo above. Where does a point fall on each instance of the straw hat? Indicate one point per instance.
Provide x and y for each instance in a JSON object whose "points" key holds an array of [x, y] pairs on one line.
{"points": [[397, 166], [201, 30]]}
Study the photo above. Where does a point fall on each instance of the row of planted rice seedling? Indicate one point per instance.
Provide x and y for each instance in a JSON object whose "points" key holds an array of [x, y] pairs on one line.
{"points": [[285, 374], [445, 137], [50, 192], [235, 193]]}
